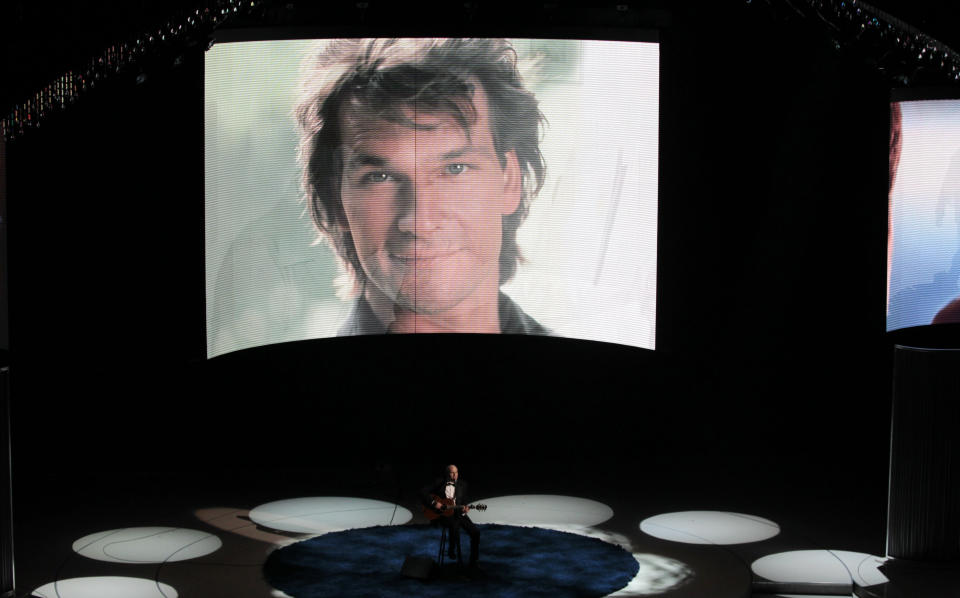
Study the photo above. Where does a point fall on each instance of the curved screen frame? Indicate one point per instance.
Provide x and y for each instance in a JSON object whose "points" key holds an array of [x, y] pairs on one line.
{"points": [[276, 245]]}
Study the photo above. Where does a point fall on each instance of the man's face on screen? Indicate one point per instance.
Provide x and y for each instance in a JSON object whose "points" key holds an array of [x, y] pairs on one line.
{"points": [[424, 205]]}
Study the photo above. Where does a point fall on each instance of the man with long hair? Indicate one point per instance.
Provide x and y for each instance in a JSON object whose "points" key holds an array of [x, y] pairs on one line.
{"points": [[420, 158]]}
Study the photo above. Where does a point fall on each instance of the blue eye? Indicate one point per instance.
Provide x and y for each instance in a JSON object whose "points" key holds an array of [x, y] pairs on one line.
{"points": [[456, 168], [373, 177]]}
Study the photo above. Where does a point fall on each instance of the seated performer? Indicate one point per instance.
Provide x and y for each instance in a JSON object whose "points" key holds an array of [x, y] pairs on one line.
{"points": [[438, 496]]}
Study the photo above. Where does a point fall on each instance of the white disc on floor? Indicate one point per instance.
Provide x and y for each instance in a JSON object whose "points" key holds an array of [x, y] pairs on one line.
{"points": [[709, 527], [545, 510], [147, 545], [105, 587], [821, 566], [322, 514]]}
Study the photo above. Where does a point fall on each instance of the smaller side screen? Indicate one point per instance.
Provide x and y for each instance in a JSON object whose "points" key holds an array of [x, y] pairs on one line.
{"points": [[923, 265]]}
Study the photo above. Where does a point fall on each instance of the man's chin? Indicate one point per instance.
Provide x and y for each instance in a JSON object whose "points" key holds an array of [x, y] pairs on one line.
{"points": [[434, 296], [427, 304]]}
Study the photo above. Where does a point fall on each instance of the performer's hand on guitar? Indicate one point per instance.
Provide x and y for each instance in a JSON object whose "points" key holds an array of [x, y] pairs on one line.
{"points": [[445, 507]]}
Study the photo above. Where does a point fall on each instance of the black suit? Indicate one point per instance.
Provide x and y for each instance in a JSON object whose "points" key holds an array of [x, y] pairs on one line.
{"points": [[457, 520]]}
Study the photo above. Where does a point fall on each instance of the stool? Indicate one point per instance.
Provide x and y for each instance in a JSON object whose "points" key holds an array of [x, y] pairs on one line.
{"points": [[443, 545]]}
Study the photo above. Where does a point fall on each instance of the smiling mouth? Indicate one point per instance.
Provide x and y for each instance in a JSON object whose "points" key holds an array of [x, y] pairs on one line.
{"points": [[422, 256]]}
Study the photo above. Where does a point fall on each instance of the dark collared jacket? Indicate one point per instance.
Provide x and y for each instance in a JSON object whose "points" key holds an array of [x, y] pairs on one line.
{"points": [[438, 486]]}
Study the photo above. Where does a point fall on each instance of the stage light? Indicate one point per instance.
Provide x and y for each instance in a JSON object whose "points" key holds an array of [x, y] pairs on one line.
{"points": [[105, 587], [821, 566], [709, 527], [323, 514], [147, 545], [112, 61], [897, 47], [543, 510]]}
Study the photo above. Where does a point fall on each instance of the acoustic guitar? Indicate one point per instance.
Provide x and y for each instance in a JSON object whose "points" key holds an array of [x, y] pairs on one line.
{"points": [[450, 507]]}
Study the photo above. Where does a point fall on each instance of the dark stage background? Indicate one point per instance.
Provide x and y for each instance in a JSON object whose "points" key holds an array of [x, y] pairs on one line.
{"points": [[772, 360]]}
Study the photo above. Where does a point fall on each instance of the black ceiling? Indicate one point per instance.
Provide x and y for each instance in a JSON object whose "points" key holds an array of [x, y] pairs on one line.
{"points": [[41, 40]]}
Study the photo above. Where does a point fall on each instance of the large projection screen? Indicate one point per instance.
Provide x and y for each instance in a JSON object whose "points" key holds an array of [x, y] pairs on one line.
{"points": [[923, 282], [588, 244]]}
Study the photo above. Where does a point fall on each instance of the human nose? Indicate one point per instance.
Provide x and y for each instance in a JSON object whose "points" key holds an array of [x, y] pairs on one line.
{"points": [[422, 208]]}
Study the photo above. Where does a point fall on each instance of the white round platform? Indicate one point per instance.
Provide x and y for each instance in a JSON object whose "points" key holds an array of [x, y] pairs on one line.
{"points": [[322, 514], [821, 566], [709, 527], [140, 545], [105, 587], [542, 510]]}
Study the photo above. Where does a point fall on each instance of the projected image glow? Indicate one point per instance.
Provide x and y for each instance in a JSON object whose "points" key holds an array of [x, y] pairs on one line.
{"points": [[923, 282], [424, 185]]}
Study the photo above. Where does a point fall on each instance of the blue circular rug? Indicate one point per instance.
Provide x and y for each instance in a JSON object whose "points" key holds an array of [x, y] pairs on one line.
{"points": [[515, 561]]}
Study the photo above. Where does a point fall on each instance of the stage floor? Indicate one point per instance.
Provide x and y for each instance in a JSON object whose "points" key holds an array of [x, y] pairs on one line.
{"points": [[695, 531]]}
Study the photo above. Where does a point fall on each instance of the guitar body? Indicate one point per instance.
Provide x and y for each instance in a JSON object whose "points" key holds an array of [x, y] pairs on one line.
{"points": [[449, 510]]}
